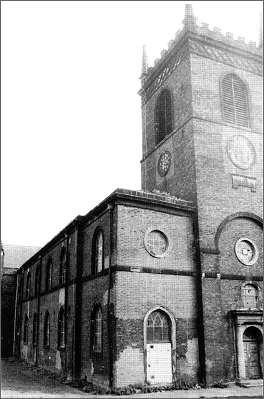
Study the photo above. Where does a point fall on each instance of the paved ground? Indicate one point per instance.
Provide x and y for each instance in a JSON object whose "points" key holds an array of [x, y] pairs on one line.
{"points": [[19, 381]]}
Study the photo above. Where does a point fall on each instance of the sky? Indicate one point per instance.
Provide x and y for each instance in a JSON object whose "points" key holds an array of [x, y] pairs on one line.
{"points": [[71, 115]]}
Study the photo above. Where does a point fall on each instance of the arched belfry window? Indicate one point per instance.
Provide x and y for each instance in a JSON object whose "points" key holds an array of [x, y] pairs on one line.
{"points": [[249, 296], [98, 252], [163, 115], [158, 327], [62, 276], [235, 107]]}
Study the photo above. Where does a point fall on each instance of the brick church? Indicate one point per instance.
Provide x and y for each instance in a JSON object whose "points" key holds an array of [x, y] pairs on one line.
{"points": [[165, 283]]}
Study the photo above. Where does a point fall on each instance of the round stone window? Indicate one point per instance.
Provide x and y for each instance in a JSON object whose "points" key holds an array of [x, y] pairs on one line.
{"points": [[246, 251], [156, 243]]}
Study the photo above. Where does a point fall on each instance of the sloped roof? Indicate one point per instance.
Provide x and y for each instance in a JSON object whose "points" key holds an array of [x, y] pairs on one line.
{"points": [[16, 255]]}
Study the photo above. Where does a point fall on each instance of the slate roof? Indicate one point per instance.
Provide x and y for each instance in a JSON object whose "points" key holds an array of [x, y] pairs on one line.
{"points": [[16, 255]]}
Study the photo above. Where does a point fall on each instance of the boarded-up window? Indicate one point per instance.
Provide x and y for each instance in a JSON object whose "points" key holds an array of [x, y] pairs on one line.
{"points": [[61, 329], [249, 296], [235, 101], [96, 330], [163, 115]]}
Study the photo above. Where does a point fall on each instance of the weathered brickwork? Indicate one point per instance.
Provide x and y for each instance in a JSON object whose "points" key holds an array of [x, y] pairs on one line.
{"points": [[173, 253], [133, 227]]}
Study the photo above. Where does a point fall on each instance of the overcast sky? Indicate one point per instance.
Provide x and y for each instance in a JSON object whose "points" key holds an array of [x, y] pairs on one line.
{"points": [[71, 115]]}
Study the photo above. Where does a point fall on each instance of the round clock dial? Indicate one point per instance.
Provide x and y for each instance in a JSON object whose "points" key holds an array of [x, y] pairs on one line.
{"points": [[164, 163], [241, 152], [246, 251]]}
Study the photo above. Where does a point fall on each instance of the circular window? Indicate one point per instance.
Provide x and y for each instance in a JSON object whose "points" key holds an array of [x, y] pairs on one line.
{"points": [[246, 251], [156, 243]]}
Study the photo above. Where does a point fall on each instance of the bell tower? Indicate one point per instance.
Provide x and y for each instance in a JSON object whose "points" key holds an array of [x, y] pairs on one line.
{"points": [[202, 141]]}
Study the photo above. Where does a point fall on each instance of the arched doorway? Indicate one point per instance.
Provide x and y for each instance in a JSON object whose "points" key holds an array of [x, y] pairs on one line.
{"points": [[158, 348], [252, 340]]}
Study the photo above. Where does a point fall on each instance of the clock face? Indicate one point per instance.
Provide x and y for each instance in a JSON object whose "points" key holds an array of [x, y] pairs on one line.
{"points": [[164, 163], [246, 251], [241, 152]]}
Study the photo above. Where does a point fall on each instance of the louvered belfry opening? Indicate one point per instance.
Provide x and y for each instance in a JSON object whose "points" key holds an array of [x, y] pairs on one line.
{"points": [[163, 115], [235, 101]]}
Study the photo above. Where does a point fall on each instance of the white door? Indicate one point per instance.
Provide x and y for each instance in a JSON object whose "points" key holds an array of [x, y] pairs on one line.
{"points": [[159, 368]]}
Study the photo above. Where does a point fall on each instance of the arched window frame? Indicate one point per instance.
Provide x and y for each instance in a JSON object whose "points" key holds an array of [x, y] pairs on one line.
{"points": [[61, 328], [46, 335], [230, 108], [246, 298], [28, 285], [63, 265], [97, 330], [35, 329], [98, 252], [158, 324], [25, 331], [163, 110], [49, 270]]}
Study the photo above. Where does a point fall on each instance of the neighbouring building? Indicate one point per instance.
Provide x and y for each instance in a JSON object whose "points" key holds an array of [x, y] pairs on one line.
{"points": [[165, 283], [12, 257]]}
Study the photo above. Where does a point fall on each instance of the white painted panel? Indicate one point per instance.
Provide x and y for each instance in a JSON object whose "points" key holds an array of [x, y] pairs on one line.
{"points": [[159, 368]]}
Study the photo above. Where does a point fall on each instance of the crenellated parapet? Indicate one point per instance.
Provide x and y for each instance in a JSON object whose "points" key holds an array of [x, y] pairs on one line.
{"points": [[202, 40]]}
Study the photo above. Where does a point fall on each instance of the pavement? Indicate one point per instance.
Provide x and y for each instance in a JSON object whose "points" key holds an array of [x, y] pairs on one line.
{"points": [[21, 381]]}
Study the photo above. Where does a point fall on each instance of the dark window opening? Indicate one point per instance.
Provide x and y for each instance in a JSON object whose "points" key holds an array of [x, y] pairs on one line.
{"points": [[98, 252], [62, 277], [25, 333], [163, 115], [49, 275], [28, 286], [46, 341], [35, 329]]}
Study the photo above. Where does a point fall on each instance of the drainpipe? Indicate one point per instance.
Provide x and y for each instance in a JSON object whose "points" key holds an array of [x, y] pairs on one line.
{"points": [[66, 302], [15, 318], [38, 307], [110, 283]]}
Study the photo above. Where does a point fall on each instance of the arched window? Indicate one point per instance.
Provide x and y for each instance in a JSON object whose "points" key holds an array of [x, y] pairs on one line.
{"points": [[249, 296], [96, 330], [28, 286], [46, 340], [25, 333], [37, 280], [158, 327], [98, 252], [62, 276], [61, 328], [49, 275], [235, 101], [163, 115], [35, 329]]}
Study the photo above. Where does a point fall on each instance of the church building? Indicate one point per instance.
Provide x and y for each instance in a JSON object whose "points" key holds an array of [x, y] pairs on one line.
{"points": [[165, 283]]}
